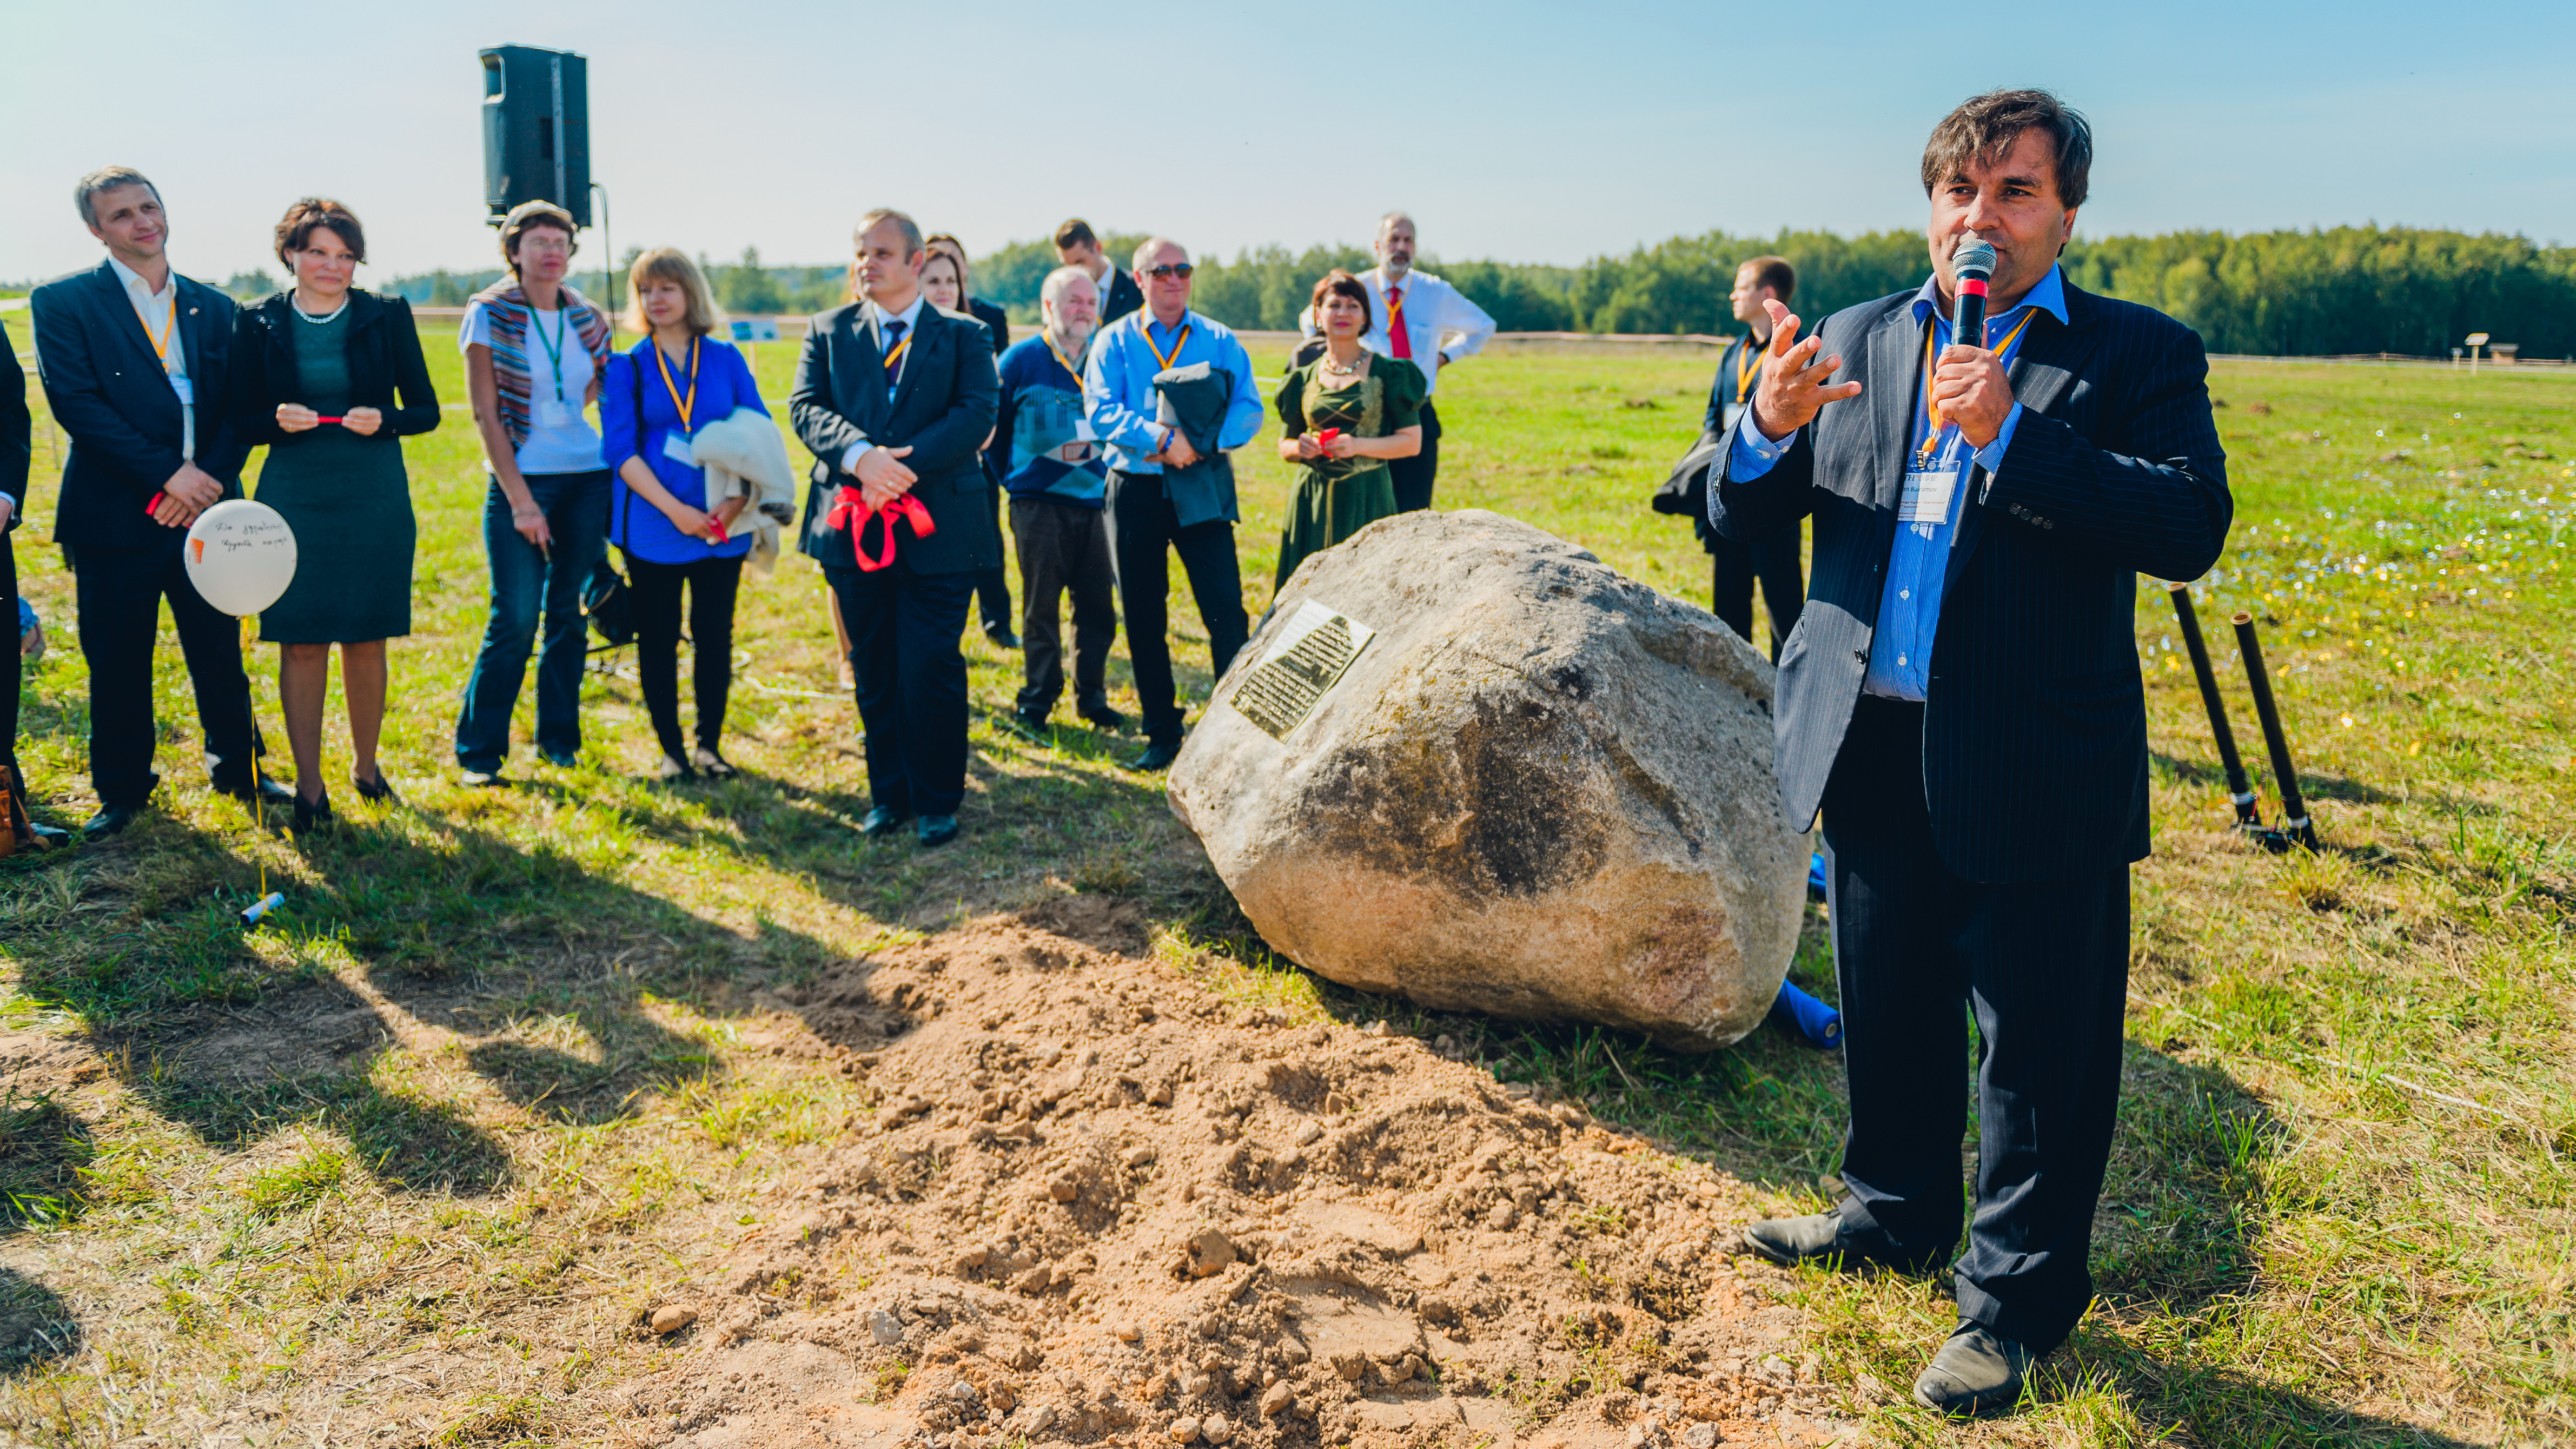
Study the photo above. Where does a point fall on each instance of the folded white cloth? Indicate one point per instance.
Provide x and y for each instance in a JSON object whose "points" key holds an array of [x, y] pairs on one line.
{"points": [[745, 457]]}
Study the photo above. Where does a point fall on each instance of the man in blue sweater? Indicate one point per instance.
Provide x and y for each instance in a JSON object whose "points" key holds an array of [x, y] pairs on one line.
{"points": [[1058, 484], [1167, 494]]}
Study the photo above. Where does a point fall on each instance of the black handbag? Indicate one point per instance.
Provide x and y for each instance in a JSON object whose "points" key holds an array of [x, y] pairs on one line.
{"points": [[1685, 492], [605, 599]]}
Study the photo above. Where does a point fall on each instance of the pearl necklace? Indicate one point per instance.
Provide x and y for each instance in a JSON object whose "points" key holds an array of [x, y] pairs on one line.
{"points": [[325, 317], [1331, 369]]}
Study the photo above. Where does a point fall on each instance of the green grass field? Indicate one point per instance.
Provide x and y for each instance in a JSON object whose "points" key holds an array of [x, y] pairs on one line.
{"points": [[413, 1153]]}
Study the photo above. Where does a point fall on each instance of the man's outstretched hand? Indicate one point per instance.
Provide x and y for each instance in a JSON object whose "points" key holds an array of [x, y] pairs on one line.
{"points": [[1793, 386]]}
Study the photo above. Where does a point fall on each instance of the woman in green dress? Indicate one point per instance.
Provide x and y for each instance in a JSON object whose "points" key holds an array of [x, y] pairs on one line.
{"points": [[316, 371], [1343, 415]]}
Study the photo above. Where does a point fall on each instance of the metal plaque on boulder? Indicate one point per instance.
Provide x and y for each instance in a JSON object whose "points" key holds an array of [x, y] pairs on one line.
{"points": [[1299, 667]]}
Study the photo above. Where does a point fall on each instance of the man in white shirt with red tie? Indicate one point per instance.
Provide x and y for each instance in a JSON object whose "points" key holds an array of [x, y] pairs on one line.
{"points": [[1427, 322]]}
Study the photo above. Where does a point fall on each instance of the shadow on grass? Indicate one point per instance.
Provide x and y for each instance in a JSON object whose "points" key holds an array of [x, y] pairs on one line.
{"points": [[2211, 777], [37, 1328], [454, 926]]}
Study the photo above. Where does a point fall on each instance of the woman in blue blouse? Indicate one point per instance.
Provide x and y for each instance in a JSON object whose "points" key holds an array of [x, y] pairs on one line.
{"points": [[676, 381]]}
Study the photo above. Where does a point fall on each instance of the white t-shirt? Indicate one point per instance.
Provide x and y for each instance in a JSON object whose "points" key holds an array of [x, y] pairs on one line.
{"points": [[560, 438]]}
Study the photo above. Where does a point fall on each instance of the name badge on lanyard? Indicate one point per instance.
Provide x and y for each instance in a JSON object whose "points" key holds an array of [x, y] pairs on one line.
{"points": [[1928, 492], [554, 413], [186, 390], [675, 446], [1727, 413]]}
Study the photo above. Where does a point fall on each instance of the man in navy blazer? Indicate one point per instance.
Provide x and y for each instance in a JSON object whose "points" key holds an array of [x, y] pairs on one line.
{"points": [[896, 397], [1961, 700], [134, 360]]}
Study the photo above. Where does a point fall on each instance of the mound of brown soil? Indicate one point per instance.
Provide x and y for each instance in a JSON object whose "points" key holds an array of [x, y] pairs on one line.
{"points": [[1096, 1204]]}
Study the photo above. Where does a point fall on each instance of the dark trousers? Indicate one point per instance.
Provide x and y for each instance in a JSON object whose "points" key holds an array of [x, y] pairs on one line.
{"points": [[10, 668], [1141, 527], [119, 593], [1063, 548], [655, 589], [2044, 969], [1414, 476], [530, 585], [1775, 562], [911, 682], [993, 585]]}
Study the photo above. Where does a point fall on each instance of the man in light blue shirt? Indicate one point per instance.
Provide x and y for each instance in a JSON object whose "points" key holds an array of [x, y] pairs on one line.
{"points": [[1147, 521], [1909, 609]]}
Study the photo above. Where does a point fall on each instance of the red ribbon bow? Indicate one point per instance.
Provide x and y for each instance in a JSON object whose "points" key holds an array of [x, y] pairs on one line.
{"points": [[850, 510]]}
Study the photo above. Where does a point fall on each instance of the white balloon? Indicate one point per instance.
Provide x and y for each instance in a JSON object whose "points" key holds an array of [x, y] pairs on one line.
{"points": [[241, 556]]}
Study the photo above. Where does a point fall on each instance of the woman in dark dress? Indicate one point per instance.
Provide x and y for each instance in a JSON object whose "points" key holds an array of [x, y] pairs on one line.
{"points": [[993, 586], [1372, 407], [317, 371]]}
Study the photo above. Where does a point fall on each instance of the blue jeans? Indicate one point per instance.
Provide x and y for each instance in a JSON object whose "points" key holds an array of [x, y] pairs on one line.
{"points": [[528, 583]]}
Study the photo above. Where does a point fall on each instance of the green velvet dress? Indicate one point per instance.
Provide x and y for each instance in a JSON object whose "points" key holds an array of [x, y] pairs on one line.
{"points": [[1337, 497], [348, 499]]}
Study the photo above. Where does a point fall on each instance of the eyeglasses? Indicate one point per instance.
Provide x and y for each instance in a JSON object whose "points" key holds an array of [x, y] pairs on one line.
{"points": [[1181, 270]]}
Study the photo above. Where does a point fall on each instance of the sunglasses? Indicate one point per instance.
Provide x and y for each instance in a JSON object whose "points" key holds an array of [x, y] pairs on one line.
{"points": [[1181, 270]]}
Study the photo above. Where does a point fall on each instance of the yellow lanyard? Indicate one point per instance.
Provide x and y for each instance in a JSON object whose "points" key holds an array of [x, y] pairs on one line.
{"points": [[161, 344], [1745, 363], [894, 359], [690, 405], [1932, 428], [1147, 332], [1059, 356]]}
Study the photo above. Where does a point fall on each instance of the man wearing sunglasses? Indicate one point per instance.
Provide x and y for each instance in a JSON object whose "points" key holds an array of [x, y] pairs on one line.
{"points": [[1150, 513]]}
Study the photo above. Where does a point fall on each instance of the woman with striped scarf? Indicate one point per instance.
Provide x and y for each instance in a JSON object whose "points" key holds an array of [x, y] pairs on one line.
{"points": [[534, 353]]}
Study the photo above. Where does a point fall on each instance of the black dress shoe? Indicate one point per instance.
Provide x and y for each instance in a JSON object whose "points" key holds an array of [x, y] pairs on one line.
{"points": [[312, 813], [1030, 727], [48, 836], [936, 830], [1976, 1372], [882, 821], [378, 789], [561, 759], [109, 820], [1791, 1241], [1102, 717], [1158, 755], [1001, 636], [268, 791]]}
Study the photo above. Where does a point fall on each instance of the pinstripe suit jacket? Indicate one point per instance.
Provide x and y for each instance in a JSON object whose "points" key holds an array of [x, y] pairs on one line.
{"points": [[2034, 730]]}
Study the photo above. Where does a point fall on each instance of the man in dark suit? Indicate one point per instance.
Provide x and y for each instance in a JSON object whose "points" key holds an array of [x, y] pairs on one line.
{"points": [[1962, 700], [896, 397], [133, 358], [1774, 562], [17, 452], [1077, 246]]}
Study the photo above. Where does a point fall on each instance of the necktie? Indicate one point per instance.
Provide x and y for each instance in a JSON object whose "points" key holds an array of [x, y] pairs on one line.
{"points": [[894, 345], [1398, 342]]}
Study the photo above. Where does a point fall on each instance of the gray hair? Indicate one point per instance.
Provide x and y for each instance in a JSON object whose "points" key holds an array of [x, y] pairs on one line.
{"points": [[1151, 244], [1392, 217], [108, 178], [1059, 279], [911, 229]]}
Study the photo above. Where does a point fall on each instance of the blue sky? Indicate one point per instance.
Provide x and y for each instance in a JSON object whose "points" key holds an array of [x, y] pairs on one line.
{"points": [[1519, 131]]}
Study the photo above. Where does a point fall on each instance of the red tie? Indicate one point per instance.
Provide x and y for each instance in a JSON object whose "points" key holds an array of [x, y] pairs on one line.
{"points": [[1396, 338]]}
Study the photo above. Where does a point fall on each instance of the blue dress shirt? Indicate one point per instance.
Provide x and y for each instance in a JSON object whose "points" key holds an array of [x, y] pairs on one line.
{"points": [[1909, 610], [1118, 384]]}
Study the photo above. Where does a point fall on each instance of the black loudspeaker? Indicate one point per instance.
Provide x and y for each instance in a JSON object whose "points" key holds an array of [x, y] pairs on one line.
{"points": [[536, 130]]}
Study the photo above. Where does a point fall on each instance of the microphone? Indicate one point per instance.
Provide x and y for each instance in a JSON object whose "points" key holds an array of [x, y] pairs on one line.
{"points": [[1970, 266]]}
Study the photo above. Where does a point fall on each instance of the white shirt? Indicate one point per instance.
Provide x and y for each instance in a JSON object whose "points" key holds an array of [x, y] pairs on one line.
{"points": [[158, 312], [1438, 318], [560, 438], [877, 317]]}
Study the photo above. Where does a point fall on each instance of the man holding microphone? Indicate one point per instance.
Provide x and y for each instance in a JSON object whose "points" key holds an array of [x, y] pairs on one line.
{"points": [[1966, 711]]}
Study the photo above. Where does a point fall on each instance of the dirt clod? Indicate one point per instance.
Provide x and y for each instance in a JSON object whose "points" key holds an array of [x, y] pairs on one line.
{"points": [[671, 1318], [1092, 1204]]}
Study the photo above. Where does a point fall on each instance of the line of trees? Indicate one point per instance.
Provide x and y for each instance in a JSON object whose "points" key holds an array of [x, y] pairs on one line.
{"points": [[2283, 293]]}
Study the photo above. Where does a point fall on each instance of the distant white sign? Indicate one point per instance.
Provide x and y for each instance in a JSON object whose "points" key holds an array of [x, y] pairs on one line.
{"points": [[755, 329]]}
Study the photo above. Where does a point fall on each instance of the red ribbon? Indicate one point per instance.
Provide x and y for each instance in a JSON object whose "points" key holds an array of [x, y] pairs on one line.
{"points": [[850, 510]]}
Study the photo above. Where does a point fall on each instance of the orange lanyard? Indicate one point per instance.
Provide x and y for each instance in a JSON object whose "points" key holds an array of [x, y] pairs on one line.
{"points": [[690, 404], [1745, 362], [894, 359], [160, 344], [1059, 355], [1147, 332], [1932, 429]]}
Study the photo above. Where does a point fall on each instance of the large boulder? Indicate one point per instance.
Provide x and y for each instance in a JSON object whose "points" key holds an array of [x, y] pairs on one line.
{"points": [[1538, 789]]}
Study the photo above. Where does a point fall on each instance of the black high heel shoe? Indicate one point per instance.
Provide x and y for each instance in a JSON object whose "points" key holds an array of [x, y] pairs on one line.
{"points": [[379, 790], [312, 813]]}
